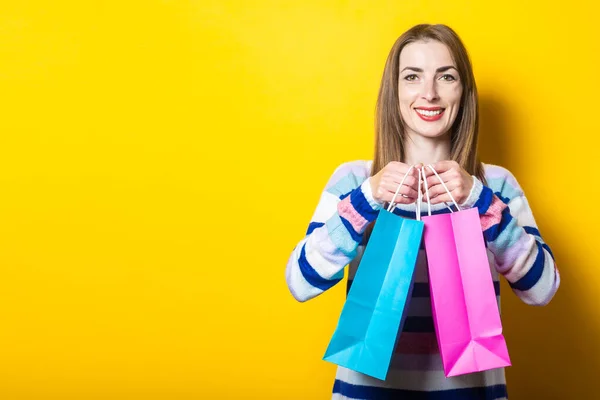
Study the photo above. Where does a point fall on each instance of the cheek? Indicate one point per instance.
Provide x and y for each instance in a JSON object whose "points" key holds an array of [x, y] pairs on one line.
{"points": [[407, 96], [455, 95], [454, 98]]}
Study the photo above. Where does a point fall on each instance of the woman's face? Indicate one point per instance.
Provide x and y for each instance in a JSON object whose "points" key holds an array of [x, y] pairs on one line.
{"points": [[429, 89]]}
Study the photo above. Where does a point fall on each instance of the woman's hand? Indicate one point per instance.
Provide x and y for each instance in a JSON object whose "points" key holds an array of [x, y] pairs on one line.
{"points": [[385, 183], [458, 181]]}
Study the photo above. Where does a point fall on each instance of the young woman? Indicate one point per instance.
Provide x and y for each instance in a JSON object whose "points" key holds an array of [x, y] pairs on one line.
{"points": [[427, 113]]}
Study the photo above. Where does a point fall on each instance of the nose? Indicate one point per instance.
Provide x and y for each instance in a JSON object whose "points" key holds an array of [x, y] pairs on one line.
{"points": [[430, 91]]}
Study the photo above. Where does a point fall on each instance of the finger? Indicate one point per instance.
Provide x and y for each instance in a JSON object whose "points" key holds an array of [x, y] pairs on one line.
{"points": [[405, 194], [394, 173], [398, 167], [446, 177], [438, 189], [402, 200], [401, 169], [434, 187], [427, 170], [410, 180], [404, 190], [444, 197], [445, 165]]}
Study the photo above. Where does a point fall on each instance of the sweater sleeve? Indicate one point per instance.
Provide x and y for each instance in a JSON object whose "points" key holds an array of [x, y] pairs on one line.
{"points": [[345, 209], [512, 235]]}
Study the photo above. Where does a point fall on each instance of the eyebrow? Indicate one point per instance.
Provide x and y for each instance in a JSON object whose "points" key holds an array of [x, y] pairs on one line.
{"points": [[440, 69]]}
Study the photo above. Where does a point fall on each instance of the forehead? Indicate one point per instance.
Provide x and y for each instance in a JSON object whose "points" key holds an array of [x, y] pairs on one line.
{"points": [[424, 54]]}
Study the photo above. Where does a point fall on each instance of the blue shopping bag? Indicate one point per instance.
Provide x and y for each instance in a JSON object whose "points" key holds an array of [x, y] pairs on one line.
{"points": [[375, 308]]}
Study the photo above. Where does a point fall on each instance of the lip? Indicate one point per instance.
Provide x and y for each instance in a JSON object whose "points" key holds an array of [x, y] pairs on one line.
{"points": [[433, 117]]}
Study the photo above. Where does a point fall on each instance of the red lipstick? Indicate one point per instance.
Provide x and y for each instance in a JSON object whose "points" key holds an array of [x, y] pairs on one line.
{"points": [[430, 114]]}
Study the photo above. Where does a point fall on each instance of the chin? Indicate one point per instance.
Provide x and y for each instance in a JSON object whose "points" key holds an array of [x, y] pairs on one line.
{"points": [[432, 134]]}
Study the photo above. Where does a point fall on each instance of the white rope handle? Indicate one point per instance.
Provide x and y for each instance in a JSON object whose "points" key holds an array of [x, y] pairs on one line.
{"points": [[427, 195], [426, 192], [445, 187], [419, 199], [392, 203]]}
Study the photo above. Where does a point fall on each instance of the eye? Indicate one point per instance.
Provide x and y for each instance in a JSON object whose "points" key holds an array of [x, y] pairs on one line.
{"points": [[447, 77], [411, 77]]}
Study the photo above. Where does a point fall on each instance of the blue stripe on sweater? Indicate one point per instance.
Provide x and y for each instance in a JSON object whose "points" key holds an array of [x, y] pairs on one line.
{"points": [[421, 289], [357, 237], [532, 231], [535, 272], [313, 276], [362, 206], [484, 200], [494, 231], [382, 393], [312, 226], [545, 246], [505, 200]]}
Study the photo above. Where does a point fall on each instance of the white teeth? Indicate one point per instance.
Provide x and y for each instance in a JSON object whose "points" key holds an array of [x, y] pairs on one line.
{"points": [[429, 113]]}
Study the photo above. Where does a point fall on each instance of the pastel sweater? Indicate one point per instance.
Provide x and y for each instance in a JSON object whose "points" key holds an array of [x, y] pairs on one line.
{"points": [[334, 240]]}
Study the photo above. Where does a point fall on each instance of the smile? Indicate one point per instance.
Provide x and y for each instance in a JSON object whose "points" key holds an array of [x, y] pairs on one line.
{"points": [[430, 114]]}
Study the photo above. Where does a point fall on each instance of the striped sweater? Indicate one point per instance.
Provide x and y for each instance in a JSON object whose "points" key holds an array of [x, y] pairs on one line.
{"points": [[333, 241]]}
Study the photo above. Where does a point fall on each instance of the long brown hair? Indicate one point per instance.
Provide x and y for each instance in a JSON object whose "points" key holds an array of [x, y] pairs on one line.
{"points": [[389, 128]]}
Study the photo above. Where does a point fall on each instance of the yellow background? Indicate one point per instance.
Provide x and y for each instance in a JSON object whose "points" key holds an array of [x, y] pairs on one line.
{"points": [[160, 159]]}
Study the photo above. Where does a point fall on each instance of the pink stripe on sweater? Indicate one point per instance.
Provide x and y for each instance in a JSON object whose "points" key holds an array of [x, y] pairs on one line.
{"points": [[493, 215], [347, 211]]}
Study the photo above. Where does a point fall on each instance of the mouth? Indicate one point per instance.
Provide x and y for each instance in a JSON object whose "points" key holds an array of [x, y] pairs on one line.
{"points": [[430, 114]]}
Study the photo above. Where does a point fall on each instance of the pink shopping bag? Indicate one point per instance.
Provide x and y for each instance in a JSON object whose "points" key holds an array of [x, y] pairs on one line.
{"points": [[464, 307]]}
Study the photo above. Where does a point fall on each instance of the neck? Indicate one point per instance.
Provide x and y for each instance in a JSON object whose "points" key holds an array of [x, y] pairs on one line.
{"points": [[419, 149]]}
